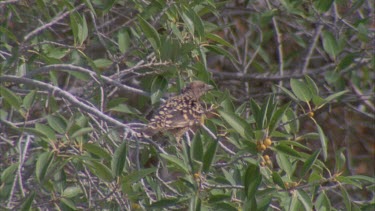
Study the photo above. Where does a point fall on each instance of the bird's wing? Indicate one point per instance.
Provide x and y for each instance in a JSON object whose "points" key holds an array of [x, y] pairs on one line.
{"points": [[176, 113]]}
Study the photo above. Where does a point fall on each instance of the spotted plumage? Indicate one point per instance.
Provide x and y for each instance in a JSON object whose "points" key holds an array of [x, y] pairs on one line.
{"points": [[179, 113]]}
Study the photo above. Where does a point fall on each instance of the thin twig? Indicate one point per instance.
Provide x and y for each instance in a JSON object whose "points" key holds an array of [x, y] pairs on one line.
{"points": [[56, 91], [69, 67], [270, 77], [9, 1], [279, 39], [226, 149], [215, 186], [311, 48], [54, 21]]}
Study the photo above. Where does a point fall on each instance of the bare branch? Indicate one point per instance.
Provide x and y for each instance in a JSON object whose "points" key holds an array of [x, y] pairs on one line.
{"points": [[54, 21], [69, 67], [56, 91]]}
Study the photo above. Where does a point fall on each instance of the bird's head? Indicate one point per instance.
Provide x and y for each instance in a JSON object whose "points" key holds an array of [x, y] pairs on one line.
{"points": [[197, 88]]}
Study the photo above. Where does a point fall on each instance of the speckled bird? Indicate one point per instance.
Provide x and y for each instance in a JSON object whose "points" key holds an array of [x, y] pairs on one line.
{"points": [[179, 113]]}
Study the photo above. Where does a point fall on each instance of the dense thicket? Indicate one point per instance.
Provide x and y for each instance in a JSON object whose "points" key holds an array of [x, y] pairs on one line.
{"points": [[293, 127]]}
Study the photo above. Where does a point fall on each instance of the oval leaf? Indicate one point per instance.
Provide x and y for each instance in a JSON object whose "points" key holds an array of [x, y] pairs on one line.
{"points": [[13, 99], [330, 44], [57, 123], [209, 155], [252, 180], [236, 122], [42, 164], [150, 33], [176, 162], [118, 160], [277, 179], [309, 162], [301, 90], [323, 141], [283, 148]]}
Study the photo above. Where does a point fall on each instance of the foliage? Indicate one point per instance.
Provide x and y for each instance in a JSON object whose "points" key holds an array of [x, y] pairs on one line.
{"points": [[78, 79]]}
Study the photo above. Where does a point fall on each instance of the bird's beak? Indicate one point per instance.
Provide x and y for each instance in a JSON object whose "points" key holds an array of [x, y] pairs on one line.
{"points": [[209, 87]]}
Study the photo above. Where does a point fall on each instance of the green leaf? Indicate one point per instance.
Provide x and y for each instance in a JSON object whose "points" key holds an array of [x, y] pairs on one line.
{"points": [[270, 110], [158, 86], [291, 117], [69, 203], [255, 110], [250, 204], [209, 156], [192, 21], [126, 109], [347, 61], [81, 132], [7, 176], [29, 99], [309, 162], [323, 5], [308, 136], [89, 5], [118, 160], [188, 22], [6, 32], [57, 123], [102, 63], [236, 122], [322, 202], [99, 169], [176, 162], [164, 203], [197, 203], [330, 44], [346, 198], [335, 96], [197, 148], [13, 99], [82, 30], [26, 205], [284, 163], [283, 148], [347, 180], [323, 141], [221, 51], [296, 144], [150, 33], [123, 38], [252, 180], [276, 118], [278, 180], [301, 90], [74, 25], [314, 90], [304, 199], [42, 164], [46, 131], [340, 160], [32, 131], [97, 150], [55, 53], [71, 191], [218, 39], [289, 93], [362, 178], [318, 101], [262, 121], [136, 176], [294, 205]]}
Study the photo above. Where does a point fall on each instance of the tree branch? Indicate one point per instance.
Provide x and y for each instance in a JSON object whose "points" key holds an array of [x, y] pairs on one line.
{"points": [[56, 91]]}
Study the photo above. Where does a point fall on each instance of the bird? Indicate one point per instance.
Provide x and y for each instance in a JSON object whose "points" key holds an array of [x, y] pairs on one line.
{"points": [[179, 113]]}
